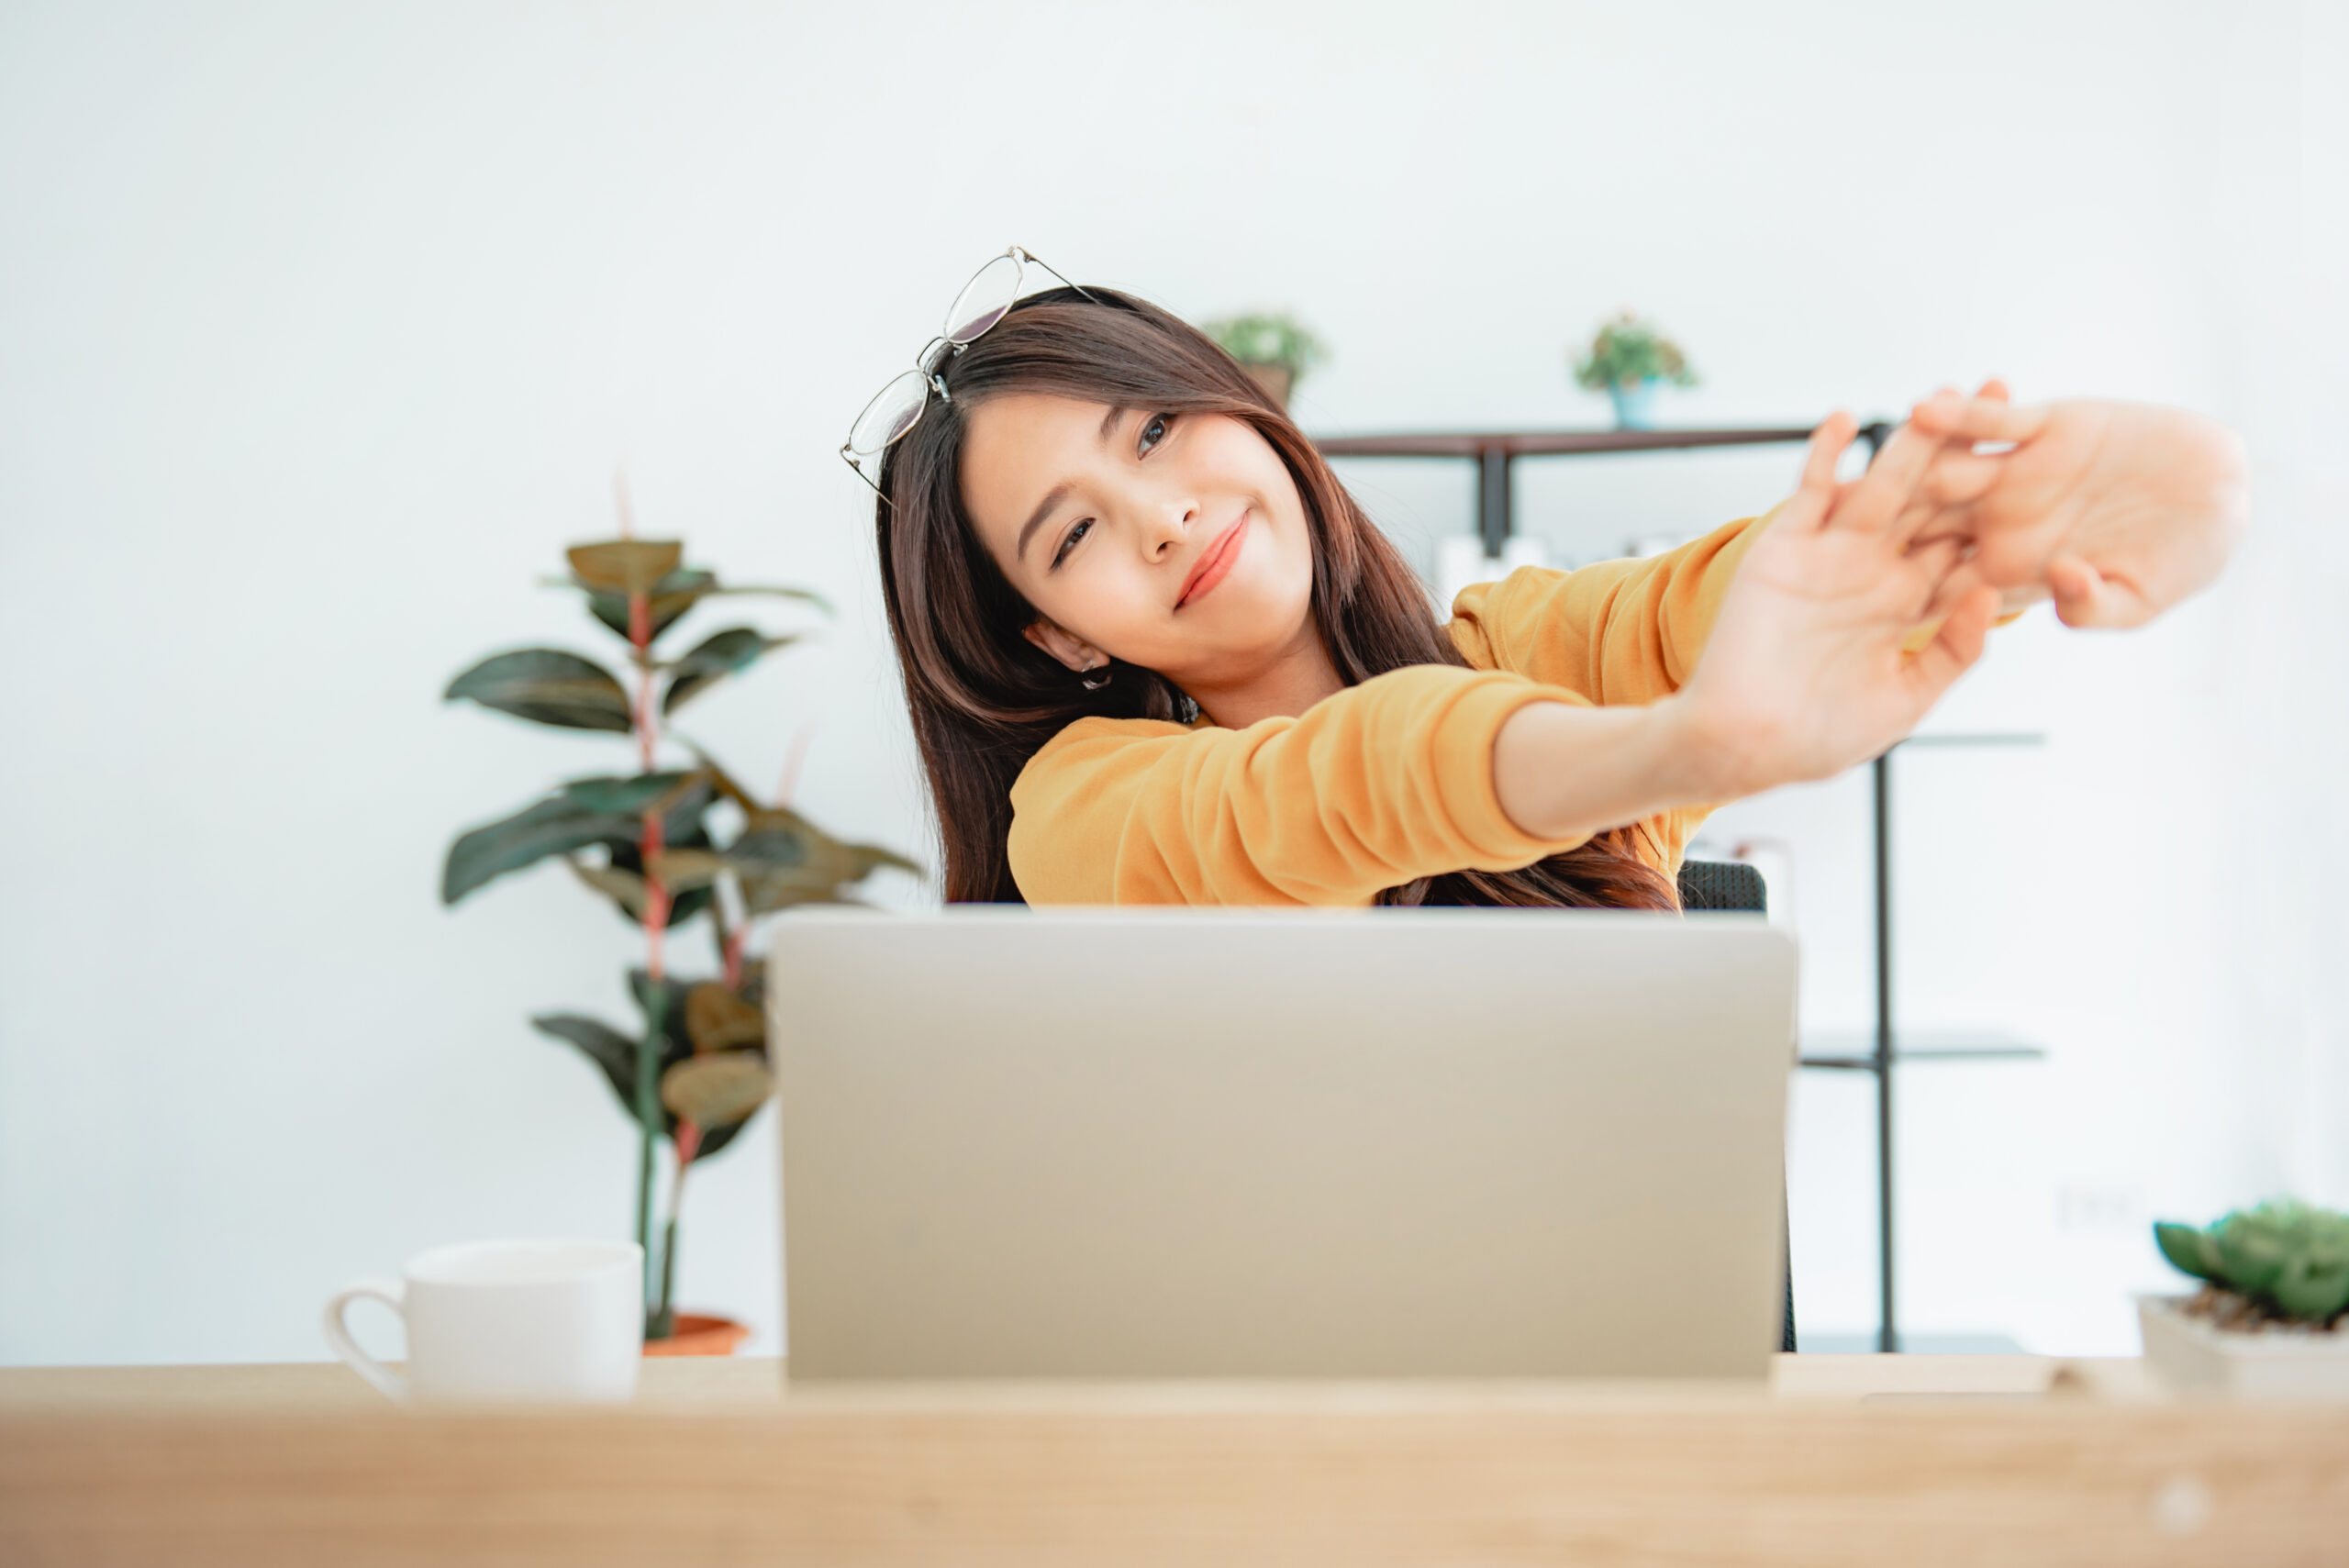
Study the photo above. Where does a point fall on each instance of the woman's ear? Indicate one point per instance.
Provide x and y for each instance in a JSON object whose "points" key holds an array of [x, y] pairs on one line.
{"points": [[1065, 646]]}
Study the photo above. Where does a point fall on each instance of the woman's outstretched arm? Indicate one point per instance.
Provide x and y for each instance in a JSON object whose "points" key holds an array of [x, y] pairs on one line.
{"points": [[1615, 631], [1807, 670]]}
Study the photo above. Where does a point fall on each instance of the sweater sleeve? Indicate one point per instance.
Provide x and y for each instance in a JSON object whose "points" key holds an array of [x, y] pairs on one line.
{"points": [[1382, 783], [1619, 632]]}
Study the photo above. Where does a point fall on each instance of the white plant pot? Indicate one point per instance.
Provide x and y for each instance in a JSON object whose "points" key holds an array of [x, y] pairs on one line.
{"points": [[2192, 1356]]}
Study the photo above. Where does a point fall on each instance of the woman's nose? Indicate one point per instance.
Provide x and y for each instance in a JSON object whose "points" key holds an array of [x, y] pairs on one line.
{"points": [[1171, 525]]}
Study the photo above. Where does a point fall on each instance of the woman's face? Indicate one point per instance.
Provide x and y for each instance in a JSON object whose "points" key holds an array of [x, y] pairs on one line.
{"points": [[1174, 542]]}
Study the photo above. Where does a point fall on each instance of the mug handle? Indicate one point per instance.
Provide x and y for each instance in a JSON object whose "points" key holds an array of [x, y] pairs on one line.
{"points": [[392, 1294]]}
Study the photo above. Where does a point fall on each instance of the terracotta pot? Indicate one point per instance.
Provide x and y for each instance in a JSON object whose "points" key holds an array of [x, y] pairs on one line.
{"points": [[698, 1336], [1274, 379]]}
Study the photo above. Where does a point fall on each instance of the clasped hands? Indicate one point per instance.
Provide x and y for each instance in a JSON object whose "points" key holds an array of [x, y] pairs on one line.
{"points": [[1864, 600]]}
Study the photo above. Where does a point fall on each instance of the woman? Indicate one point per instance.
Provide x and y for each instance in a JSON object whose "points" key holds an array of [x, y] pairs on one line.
{"points": [[1156, 653]]}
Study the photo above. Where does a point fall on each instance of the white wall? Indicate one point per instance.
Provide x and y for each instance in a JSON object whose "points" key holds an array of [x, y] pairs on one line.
{"points": [[322, 329]]}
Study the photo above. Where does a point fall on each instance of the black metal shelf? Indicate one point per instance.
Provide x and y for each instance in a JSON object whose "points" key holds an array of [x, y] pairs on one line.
{"points": [[1888, 1052], [1494, 454], [1942, 1047]]}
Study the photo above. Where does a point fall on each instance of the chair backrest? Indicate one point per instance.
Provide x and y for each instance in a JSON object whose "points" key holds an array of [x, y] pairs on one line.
{"points": [[1723, 885], [1731, 885]]}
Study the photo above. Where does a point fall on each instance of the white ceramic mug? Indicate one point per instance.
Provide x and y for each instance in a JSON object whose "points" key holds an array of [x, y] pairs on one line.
{"points": [[509, 1320]]}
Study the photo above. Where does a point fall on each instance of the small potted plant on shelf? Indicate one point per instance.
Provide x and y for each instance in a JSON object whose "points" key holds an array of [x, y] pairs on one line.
{"points": [[677, 840], [1628, 360], [2267, 1320], [1274, 349]]}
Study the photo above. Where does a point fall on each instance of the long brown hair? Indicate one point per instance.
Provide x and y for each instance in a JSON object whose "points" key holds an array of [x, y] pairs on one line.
{"points": [[985, 700]]}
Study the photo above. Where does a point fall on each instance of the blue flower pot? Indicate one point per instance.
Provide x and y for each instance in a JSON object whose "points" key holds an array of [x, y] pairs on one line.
{"points": [[1634, 404]]}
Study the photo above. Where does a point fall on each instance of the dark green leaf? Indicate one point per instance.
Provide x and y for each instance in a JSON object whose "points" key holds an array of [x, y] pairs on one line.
{"points": [[2252, 1252], [601, 1044], [869, 857], [722, 653], [606, 811], [781, 860], [552, 827], [615, 1054], [686, 870], [725, 781], [686, 836], [671, 995], [823, 880], [776, 841], [625, 565], [2313, 1284], [712, 661], [637, 793], [802, 596], [625, 888], [2185, 1248], [717, 1019], [546, 686], [672, 597], [677, 1046], [714, 1139], [716, 1091]]}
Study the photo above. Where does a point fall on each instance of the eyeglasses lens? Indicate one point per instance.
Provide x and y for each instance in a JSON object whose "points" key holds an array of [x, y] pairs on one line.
{"points": [[889, 416], [983, 299]]}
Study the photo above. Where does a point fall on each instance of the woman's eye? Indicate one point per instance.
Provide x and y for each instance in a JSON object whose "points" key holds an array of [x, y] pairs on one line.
{"points": [[1154, 431], [1070, 542]]}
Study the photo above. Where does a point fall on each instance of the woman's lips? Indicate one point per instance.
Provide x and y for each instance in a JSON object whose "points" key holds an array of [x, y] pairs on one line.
{"points": [[1216, 563]]}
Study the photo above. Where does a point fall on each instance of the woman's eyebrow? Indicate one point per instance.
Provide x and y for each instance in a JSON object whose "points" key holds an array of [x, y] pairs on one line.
{"points": [[1052, 498], [1059, 492]]}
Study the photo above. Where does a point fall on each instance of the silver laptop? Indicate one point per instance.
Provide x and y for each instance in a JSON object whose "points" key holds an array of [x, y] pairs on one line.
{"points": [[1373, 1143]]}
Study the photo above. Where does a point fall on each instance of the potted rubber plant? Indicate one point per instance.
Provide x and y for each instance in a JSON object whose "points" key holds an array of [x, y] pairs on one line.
{"points": [[1628, 359], [2267, 1320], [1273, 348], [672, 840]]}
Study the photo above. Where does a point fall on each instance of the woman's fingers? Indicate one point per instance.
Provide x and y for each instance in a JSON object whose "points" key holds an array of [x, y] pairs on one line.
{"points": [[2075, 586], [1952, 585], [1963, 475], [1816, 493], [1959, 643], [1882, 495], [2086, 597], [1980, 418]]}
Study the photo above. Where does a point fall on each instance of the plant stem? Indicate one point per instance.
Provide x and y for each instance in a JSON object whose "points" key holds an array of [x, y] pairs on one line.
{"points": [[664, 1323], [720, 934], [656, 919], [648, 1118], [664, 1311]]}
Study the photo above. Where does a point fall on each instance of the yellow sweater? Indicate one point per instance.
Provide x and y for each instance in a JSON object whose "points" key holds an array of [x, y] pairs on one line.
{"points": [[1381, 783]]}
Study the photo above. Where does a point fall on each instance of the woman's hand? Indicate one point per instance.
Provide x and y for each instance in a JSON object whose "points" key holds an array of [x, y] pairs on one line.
{"points": [[1805, 674], [2118, 509]]}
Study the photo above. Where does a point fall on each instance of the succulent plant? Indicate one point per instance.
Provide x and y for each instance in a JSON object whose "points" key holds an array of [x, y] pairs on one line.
{"points": [[2290, 1257], [1626, 352]]}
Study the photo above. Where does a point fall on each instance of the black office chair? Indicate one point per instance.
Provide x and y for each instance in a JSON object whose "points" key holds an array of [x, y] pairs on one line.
{"points": [[1728, 885]]}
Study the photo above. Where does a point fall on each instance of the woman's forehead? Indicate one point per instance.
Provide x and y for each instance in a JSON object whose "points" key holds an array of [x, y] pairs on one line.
{"points": [[1018, 447]]}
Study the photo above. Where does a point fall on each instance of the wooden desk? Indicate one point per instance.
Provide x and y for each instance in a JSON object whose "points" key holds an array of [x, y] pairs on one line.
{"points": [[1847, 1459]]}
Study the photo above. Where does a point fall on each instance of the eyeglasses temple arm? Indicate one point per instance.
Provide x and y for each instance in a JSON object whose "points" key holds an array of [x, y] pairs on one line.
{"points": [[850, 458], [1080, 288]]}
